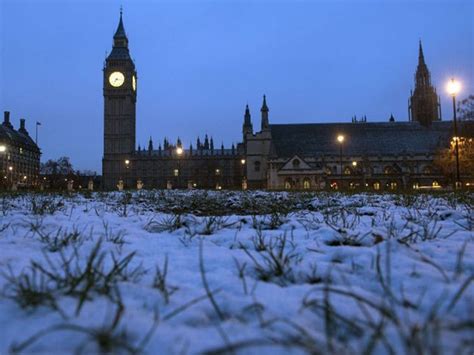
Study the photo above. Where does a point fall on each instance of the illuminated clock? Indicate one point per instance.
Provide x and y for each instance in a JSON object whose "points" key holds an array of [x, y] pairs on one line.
{"points": [[116, 79], [134, 83]]}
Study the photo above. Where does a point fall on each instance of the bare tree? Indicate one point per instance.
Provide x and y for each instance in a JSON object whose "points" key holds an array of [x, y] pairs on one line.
{"points": [[466, 109]]}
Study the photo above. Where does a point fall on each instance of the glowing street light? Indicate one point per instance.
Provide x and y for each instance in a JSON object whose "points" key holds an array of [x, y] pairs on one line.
{"points": [[179, 151], [242, 161], [453, 88], [354, 164], [10, 168], [340, 139], [127, 162], [3, 148]]}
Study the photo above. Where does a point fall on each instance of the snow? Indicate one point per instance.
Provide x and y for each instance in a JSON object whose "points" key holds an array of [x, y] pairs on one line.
{"points": [[286, 273]]}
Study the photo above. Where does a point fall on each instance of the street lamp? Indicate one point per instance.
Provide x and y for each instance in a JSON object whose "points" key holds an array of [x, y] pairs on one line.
{"points": [[127, 165], [179, 152], [453, 89], [340, 139], [10, 168], [3, 149]]}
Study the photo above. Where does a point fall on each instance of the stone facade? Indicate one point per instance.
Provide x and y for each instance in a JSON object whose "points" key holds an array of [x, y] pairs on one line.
{"points": [[387, 155], [19, 156]]}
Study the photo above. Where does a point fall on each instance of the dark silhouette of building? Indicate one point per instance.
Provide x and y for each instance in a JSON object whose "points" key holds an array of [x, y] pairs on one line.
{"points": [[120, 97], [424, 104], [377, 155], [19, 155]]}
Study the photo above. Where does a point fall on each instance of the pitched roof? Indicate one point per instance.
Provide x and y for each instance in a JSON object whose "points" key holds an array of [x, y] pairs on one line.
{"points": [[385, 138], [10, 135]]}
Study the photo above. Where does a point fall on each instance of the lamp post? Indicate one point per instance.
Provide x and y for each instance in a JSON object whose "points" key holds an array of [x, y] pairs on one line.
{"points": [[3, 149], [340, 139], [10, 168], [179, 152], [453, 88], [127, 165]]}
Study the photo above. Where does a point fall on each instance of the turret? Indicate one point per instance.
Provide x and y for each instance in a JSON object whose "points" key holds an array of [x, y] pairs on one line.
{"points": [[264, 110], [424, 106], [247, 127]]}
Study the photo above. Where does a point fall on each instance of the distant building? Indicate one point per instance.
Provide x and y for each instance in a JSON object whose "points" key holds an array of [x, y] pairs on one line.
{"points": [[19, 155], [387, 155]]}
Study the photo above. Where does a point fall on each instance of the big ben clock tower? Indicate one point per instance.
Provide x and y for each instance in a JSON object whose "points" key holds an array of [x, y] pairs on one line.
{"points": [[120, 97]]}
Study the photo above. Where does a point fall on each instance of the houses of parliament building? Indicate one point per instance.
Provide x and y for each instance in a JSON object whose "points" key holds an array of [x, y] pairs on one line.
{"points": [[386, 155]]}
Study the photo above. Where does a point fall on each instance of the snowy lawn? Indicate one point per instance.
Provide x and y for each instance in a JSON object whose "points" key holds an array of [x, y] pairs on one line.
{"points": [[165, 272]]}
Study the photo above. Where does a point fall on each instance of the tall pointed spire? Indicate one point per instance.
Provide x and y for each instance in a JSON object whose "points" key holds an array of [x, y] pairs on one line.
{"points": [[120, 33], [247, 127], [247, 117], [120, 37], [421, 57], [264, 105], [424, 102], [264, 110]]}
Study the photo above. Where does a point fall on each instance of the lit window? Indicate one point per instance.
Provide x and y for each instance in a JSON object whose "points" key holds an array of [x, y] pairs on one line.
{"points": [[416, 186], [306, 184], [393, 185], [288, 184], [376, 185], [435, 184], [347, 171], [176, 172]]}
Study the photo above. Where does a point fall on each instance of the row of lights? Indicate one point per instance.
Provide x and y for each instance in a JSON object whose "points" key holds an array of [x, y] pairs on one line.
{"points": [[453, 88]]}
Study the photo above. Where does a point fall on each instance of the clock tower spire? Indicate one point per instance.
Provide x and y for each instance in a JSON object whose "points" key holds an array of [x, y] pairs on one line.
{"points": [[120, 96]]}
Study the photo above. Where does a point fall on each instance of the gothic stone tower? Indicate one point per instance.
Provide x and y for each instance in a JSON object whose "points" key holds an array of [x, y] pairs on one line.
{"points": [[120, 96], [424, 104]]}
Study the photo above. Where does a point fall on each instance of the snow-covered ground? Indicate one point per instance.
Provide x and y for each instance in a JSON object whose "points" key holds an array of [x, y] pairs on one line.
{"points": [[165, 272]]}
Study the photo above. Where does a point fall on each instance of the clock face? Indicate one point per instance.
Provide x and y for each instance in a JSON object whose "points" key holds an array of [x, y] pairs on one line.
{"points": [[116, 79], [134, 83]]}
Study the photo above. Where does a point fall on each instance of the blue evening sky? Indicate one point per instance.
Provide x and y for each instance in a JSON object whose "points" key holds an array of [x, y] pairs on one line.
{"points": [[200, 62]]}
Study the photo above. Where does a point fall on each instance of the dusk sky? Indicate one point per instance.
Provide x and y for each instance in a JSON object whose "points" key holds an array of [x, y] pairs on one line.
{"points": [[200, 62]]}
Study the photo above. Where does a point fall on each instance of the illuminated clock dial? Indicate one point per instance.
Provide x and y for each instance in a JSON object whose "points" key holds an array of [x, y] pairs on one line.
{"points": [[134, 83], [116, 79]]}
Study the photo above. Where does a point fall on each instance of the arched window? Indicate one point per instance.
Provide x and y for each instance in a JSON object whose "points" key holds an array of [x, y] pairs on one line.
{"points": [[296, 163], [392, 185], [328, 171], [256, 166], [347, 171], [288, 184], [376, 185], [435, 184], [306, 183]]}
